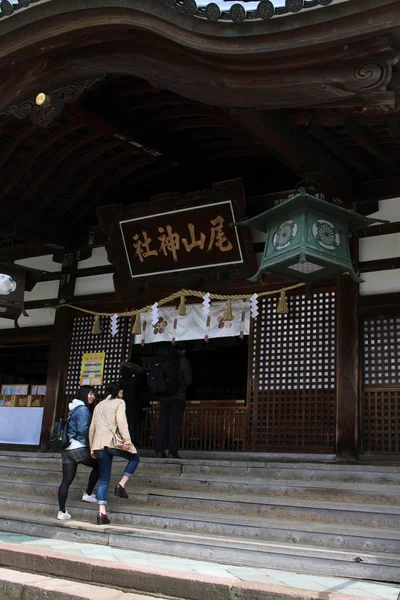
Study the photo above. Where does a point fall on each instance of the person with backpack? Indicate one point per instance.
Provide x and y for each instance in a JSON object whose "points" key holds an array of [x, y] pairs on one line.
{"points": [[78, 452], [169, 377]]}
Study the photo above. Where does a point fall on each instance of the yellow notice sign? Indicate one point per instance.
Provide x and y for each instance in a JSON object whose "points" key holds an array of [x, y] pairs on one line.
{"points": [[92, 368]]}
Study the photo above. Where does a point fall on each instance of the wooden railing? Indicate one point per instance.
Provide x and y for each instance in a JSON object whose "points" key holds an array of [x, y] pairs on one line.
{"points": [[204, 428]]}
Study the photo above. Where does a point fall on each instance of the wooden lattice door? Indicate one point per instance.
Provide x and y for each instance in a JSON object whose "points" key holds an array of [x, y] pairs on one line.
{"points": [[116, 348], [293, 375], [381, 385]]}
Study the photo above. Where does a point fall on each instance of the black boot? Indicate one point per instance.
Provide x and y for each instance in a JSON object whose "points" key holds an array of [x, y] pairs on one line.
{"points": [[173, 455]]}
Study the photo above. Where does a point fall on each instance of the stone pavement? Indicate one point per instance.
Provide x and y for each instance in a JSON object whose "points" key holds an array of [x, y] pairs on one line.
{"points": [[290, 580]]}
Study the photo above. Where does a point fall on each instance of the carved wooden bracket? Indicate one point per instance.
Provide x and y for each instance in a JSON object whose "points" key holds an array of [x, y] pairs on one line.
{"points": [[44, 116]]}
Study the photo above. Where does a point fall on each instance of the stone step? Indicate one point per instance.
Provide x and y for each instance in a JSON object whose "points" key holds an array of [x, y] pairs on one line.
{"points": [[33, 586], [236, 551], [319, 517], [161, 582], [284, 530], [16, 478], [372, 515], [262, 469]]}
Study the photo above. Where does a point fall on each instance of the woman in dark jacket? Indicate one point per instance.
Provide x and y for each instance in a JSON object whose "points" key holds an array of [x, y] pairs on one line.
{"points": [[77, 452]]}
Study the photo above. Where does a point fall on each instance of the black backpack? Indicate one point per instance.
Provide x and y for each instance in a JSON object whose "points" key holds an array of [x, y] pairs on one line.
{"points": [[59, 436], [163, 378]]}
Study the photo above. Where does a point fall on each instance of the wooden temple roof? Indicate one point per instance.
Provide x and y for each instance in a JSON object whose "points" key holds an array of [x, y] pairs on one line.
{"points": [[148, 101]]}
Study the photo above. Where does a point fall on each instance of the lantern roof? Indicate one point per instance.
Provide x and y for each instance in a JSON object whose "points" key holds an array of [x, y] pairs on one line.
{"points": [[304, 200]]}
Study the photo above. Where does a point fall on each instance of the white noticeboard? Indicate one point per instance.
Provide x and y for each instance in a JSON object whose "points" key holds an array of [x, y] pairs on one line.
{"points": [[20, 425]]}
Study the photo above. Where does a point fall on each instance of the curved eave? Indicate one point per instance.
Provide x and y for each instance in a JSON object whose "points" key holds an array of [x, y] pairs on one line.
{"points": [[341, 22]]}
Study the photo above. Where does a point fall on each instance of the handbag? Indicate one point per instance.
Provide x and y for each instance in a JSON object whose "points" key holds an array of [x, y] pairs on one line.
{"points": [[117, 439]]}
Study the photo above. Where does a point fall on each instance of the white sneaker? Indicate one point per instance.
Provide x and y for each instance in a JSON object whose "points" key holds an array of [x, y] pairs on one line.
{"points": [[92, 498], [63, 516]]}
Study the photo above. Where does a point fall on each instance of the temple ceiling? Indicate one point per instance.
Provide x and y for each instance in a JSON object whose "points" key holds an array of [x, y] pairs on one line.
{"points": [[142, 103]]}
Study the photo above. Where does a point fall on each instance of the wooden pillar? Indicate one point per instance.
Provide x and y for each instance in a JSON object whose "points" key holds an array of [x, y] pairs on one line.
{"points": [[57, 372], [55, 407], [347, 394]]}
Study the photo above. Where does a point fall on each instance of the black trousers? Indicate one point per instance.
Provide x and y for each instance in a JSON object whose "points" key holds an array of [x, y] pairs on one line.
{"points": [[171, 416]]}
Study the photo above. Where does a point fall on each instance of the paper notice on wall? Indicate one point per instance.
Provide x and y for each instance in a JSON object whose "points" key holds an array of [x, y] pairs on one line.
{"points": [[193, 326], [92, 368]]}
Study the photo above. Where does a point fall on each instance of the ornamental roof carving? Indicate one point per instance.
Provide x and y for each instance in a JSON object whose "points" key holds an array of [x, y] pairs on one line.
{"points": [[236, 11]]}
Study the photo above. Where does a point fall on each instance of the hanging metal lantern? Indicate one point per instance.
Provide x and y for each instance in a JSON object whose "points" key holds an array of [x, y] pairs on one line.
{"points": [[307, 239]]}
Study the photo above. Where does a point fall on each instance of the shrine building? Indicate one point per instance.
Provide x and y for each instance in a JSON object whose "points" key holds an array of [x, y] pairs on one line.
{"points": [[224, 175]]}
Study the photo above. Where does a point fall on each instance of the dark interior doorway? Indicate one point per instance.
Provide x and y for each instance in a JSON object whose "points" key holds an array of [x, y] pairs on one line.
{"points": [[219, 368], [24, 364]]}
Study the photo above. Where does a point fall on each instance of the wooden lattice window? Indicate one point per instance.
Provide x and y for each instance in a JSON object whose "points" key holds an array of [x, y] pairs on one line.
{"points": [[293, 368], [381, 384], [116, 348]]}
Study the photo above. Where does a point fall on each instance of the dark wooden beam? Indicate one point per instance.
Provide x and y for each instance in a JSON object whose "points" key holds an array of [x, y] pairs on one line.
{"points": [[375, 230], [184, 124], [380, 189], [385, 100], [363, 138], [40, 147], [336, 147], [382, 264], [196, 111], [26, 335], [124, 171], [278, 134], [109, 129], [380, 304], [70, 175], [107, 166], [55, 163], [393, 127], [8, 149], [79, 273], [367, 208]]}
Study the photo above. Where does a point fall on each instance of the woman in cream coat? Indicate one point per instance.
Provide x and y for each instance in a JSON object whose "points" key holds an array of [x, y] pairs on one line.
{"points": [[109, 418]]}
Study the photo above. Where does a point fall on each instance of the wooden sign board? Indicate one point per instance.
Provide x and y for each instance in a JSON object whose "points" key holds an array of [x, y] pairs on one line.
{"points": [[197, 237], [174, 241]]}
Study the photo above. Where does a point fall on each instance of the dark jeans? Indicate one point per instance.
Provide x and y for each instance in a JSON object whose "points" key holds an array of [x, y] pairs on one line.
{"points": [[105, 459], [171, 416]]}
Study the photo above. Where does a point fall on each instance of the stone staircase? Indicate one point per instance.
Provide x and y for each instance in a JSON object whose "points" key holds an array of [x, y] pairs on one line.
{"points": [[312, 517]]}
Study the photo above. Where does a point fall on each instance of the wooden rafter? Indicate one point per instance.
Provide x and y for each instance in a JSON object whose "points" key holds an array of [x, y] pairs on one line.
{"points": [[184, 124], [81, 164], [277, 133], [336, 147], [38, 150], [9, 148], [379, 189], [55, 163], [99, 174], [172, 114], [365, 140], [107, 184]]}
